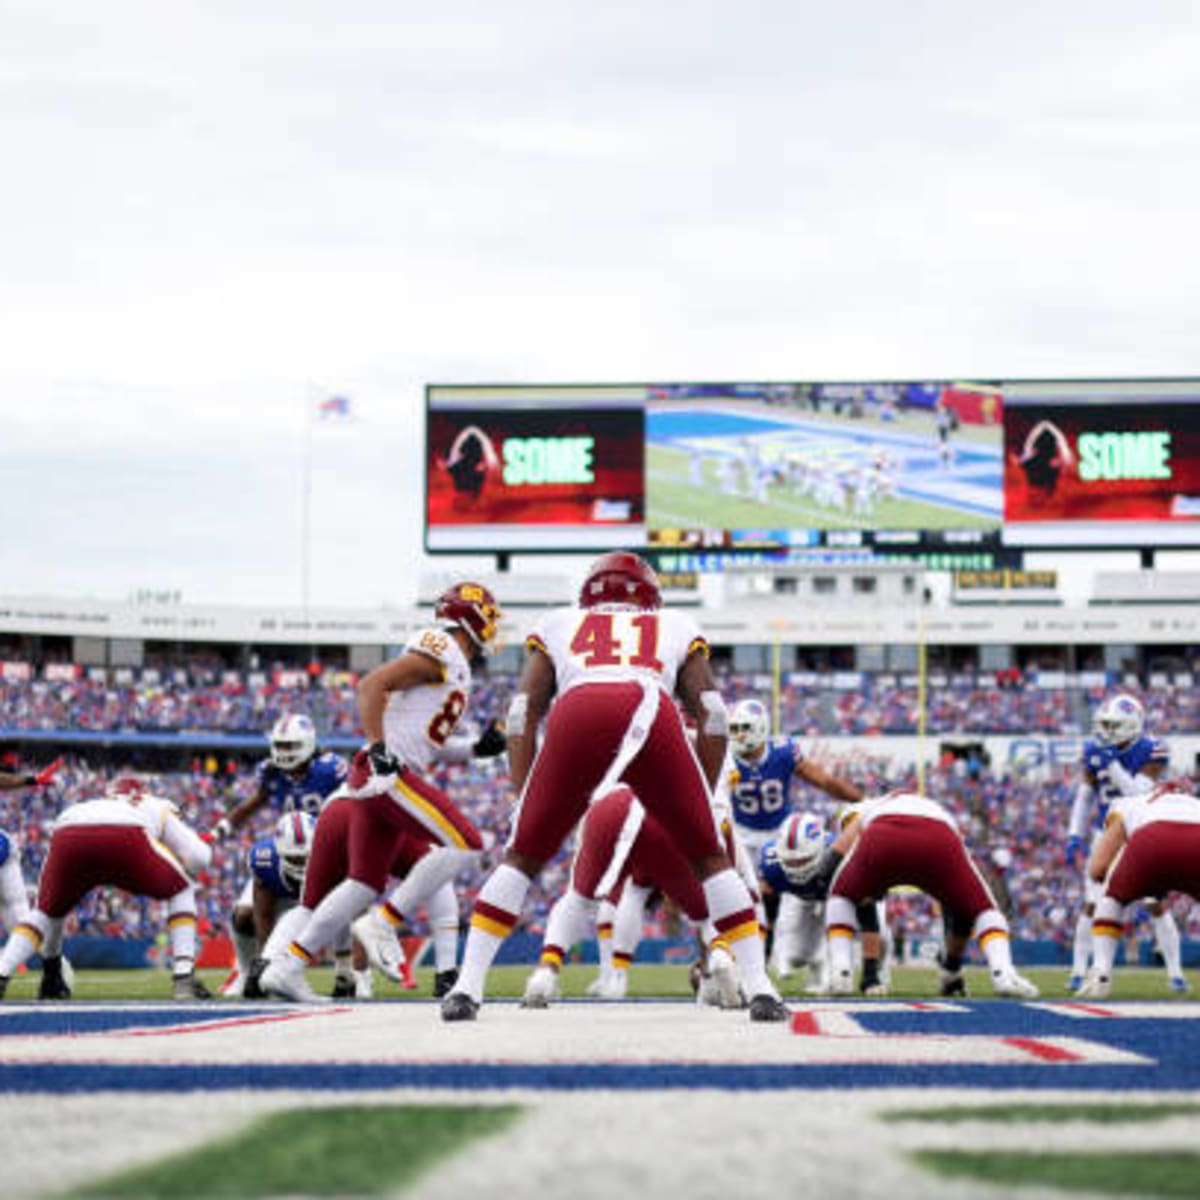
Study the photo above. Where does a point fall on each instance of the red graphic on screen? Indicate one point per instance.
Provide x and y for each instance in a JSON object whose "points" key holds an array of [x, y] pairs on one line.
{"points": [[1102, 462], [536, 466]]}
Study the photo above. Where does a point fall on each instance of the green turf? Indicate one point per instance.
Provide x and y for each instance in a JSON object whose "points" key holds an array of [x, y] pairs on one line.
{"points": [[346, 1151], [915, 983], [1132, 1173], [1045, 1114]]}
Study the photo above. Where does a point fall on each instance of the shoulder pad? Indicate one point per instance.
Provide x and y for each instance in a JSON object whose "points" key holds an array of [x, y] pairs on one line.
{"points": [[434, 643]]}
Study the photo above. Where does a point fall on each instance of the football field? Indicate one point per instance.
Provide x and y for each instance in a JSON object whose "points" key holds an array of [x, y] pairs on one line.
{"points": [[901, 1096]]}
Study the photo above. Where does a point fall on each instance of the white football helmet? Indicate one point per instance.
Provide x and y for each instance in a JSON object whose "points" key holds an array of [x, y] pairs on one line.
{"points": [[293, 841], [1120, 719], [798, 845], [749, 727], [293, 741]]}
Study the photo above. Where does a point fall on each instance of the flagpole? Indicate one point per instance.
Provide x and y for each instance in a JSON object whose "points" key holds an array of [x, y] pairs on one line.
{"points": [[306, 506]]}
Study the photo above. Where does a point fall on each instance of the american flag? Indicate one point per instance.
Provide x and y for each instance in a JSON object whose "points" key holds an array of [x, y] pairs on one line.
{"points": [[334, 408]]}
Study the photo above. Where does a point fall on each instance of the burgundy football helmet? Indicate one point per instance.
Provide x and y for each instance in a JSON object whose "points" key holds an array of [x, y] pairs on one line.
{"points": [[471, 607], [126, 787], [621, 578]]}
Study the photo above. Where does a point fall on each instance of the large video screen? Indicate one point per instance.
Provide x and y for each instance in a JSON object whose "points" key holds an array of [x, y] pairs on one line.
{"points": [[1102, 464], [928, 468], [534, 469]]}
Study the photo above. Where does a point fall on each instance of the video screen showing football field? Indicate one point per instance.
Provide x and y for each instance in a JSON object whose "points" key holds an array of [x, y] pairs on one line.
{"points": [[737, 464]]}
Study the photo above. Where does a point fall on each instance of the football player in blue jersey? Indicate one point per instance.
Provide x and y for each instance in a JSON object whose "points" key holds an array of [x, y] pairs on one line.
{"points": [[1120, 759], [295, 777], [761, 791]]}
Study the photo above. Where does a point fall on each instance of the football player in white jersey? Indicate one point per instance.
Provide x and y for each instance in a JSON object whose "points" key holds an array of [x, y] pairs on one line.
{"points": [[128, 839], [409, 709], [1157, 836], [603, 674]]}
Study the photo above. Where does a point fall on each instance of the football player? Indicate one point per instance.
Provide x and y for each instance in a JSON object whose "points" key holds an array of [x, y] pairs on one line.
{"points": [[761, 786], [602, 673], [409, 707], [128, 839], [784, 865], [1120, 759], [906, 839], [295, 777], [1157, 836]]}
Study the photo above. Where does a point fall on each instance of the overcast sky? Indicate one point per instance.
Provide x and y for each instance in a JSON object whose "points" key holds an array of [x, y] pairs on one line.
{"points": [[212, 212]]}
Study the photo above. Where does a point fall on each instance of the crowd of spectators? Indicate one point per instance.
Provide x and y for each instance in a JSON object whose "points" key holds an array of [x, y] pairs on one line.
{"points": [[812, 704]]}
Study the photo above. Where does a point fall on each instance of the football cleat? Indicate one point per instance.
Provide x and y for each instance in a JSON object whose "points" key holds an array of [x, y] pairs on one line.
{"points": [[188, 987], [1177, 983], [1074, 983], [364, 985], [841, 983], [458, 1006], [53, 985], [1009, 983], [951, 983], [285, 977], [252, 988], [614, 987], [379, 941], [766, 1007], [723, 972], [540, 988], [344, 988], [443, 983], [3, 985], [597, 985], [1095, 987], [234, 985]]}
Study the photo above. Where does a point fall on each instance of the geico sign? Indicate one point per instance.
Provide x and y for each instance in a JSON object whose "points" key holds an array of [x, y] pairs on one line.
{"points": [[1044, 752]]}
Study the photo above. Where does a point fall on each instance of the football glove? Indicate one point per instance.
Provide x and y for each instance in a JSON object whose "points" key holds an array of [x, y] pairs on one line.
{"points": [[1074, 851], [492, 741], [46, 774], [223, 828], [382, 761]]}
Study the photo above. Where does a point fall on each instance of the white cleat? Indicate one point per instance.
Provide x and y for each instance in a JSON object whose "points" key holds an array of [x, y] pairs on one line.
{"points": [[378, 939], [1095, 987], [364, 985], [234, 985], [286, 978], [540, 988], [723, 973], [841, 983], [1015, 986], [615, 986], [596, 987]]}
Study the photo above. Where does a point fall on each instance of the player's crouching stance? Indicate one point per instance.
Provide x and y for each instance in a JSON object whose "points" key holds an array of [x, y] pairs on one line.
{"points": [[907, 839], [1157, 839], [409, 708], [611, 665], [131, 840]]}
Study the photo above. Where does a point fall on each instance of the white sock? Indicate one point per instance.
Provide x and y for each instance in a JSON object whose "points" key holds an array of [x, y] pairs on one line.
{"points": [[331, 918], [286, 929], [1107, 927], [1081, 950], [52, 942], [442, 911], [14, 899], [629, 919], [181, 929], [605, 914], [731, 911], [1166, 933], [841, 927], [568, 921], [432, 872], [23, 943], [497, 910]]}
